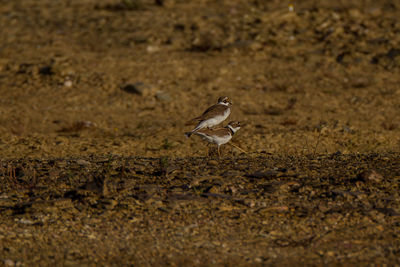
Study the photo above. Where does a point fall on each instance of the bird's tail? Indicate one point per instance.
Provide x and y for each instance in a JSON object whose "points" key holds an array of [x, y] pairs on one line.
{"points": [[188, 134], [192, 121]]}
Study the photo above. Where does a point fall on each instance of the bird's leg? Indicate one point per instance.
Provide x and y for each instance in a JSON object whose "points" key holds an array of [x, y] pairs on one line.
{"points": [[208, 151], [232, 144], [219, 153]]}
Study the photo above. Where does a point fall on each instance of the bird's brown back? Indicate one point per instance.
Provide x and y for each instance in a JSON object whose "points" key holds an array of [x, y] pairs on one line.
{"points": [[215, 132], [209, 113]]}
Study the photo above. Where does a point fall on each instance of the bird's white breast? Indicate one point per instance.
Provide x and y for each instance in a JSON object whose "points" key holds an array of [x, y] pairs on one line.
{"points": [[218, 119], [220, 140]]}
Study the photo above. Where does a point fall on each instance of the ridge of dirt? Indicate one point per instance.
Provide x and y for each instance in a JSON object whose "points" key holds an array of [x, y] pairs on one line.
{"points": [[327, 209]]}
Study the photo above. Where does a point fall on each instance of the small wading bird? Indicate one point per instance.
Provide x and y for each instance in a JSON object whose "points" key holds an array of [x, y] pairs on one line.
{"points": [[218, 136], [213, 116]]}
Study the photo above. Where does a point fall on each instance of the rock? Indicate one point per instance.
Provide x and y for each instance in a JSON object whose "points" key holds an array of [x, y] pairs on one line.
{"points": [[214, 190], [255, 46], [110, 204], [68, 83], [360, 82], [63, 203], [258, 260], [152, 49], [9, 263], [206, 41], [355, 13], [375, 12], [46, 70], [77, 126], [370, 175], [163, 96], [213, 163], [226, 207], [26, 221], [83, 162], [138, 88], [249, 203], [159, 2], [232, 189]]}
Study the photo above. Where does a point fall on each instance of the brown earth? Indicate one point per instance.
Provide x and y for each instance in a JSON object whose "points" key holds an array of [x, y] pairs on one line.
{"points": [[95, 167]]}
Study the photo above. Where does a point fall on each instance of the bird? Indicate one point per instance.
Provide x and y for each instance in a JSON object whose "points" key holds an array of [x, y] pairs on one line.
{"points": [[218, 136], [213, 116]]}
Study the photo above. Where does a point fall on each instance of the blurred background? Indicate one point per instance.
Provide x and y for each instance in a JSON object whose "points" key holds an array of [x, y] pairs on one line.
{"points": [[123, 76]]}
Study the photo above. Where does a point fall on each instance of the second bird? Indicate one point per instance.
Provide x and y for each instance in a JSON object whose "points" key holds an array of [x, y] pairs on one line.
{"points": [[218, 136]]}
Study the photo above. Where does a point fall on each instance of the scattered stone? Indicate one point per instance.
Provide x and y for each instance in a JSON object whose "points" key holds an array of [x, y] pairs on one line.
{"points": [[9, 263], [255, 46], [136, 88], [46, 70], [83, 162], [249, 203], [214, 190], [108, 204], [26, 221], [77, 126], [206, 41], [232, 190], [360, 82], [125, 5], [159, 2], [152, 49], [212, 163], [226, 207], [163, 96], [370, 175], [63, 203], [68, 83]]}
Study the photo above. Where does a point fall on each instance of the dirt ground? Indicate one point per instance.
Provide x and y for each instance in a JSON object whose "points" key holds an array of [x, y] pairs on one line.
{"points": [[96, 170]]}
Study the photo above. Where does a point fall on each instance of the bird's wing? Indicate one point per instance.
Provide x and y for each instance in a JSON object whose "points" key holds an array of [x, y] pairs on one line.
{"points": [[212, 132], [209, 113], [212, 111]]}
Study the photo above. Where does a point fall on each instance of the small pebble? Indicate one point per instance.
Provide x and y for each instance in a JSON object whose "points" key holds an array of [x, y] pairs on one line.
{"points": [[152, 49], [370, 175], [8, 263], [137, 88], [213, 163], [68, 83], [163, 96]]}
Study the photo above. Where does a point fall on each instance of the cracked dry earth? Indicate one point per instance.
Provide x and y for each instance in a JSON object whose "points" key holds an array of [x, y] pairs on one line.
{"points": [[327, 209]]}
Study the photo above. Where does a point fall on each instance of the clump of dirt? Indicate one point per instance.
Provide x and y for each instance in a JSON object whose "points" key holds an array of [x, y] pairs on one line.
{"points": [[201, 211]]}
